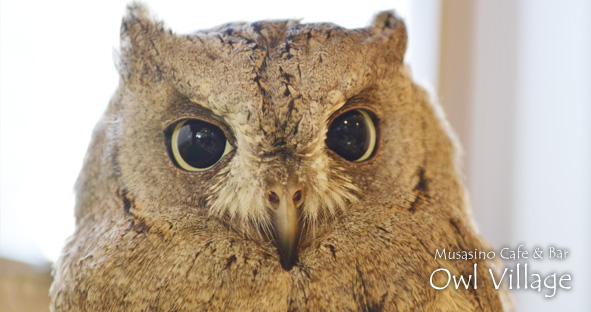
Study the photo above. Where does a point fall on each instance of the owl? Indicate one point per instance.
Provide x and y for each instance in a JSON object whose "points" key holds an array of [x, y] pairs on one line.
{"points": [[269, 166]]}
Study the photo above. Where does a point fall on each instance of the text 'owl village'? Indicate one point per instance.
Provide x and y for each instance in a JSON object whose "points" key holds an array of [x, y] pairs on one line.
{"points": [[517, 277]]}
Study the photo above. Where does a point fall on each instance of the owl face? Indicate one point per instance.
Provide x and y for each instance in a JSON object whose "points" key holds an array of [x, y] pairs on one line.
{"points": [[270, 166], [274, 128]]}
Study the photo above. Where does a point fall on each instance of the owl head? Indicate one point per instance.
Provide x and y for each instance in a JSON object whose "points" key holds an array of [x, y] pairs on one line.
{"points": [[272, 130]]}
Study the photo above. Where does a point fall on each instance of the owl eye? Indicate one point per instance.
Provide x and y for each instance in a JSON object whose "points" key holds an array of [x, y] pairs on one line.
{"points": [[197, 145], [352, 135]]}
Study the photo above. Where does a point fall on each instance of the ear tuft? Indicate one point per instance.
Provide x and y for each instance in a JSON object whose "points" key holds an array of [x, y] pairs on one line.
{"points": [[137, 11], [386, 21], [141, 40], [137, 17], [387, 25]]}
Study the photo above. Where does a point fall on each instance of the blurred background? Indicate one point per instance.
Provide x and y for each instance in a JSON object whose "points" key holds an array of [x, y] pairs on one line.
{"points": [[514, 78]]}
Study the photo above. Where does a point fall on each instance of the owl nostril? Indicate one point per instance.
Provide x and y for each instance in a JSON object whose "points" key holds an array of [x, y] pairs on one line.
{"points": [[273, 199], [297, 198]]}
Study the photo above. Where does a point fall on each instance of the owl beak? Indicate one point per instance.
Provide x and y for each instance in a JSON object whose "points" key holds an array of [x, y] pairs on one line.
{"points": [[286, 202]]}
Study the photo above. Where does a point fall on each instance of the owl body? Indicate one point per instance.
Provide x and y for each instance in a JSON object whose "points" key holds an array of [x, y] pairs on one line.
{"points": [[151, 234]]}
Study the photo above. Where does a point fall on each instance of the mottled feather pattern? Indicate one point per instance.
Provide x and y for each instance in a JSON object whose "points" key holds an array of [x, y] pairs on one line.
{"points": [[151, 236]]}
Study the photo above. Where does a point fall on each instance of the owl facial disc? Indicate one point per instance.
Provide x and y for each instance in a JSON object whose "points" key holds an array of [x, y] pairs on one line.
{"points": [[285, 201]]}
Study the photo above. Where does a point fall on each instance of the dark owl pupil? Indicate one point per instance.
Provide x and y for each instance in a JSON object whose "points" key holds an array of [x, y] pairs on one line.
{"points": [[201, 144], [348, 135]]}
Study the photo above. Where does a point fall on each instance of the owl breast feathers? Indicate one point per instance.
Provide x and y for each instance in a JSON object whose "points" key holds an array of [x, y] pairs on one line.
{"points": [[268, 166]]}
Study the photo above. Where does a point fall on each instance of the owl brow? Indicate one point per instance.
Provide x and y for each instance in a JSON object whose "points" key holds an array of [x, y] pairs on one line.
{"points": [[203, 104], [362, 99], [366, 95], [184, 109], [359, 100]]}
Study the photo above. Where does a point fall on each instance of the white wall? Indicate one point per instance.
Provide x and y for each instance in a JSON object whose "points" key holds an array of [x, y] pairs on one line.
{"points": [[529, 149], [552, 195]]}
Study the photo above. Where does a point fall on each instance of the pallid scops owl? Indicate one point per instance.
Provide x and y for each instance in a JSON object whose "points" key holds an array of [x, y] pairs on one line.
{"points": [[268, 166]]}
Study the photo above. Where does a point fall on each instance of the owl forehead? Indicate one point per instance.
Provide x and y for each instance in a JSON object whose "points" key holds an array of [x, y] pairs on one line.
{"points": [[275, 83]]}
